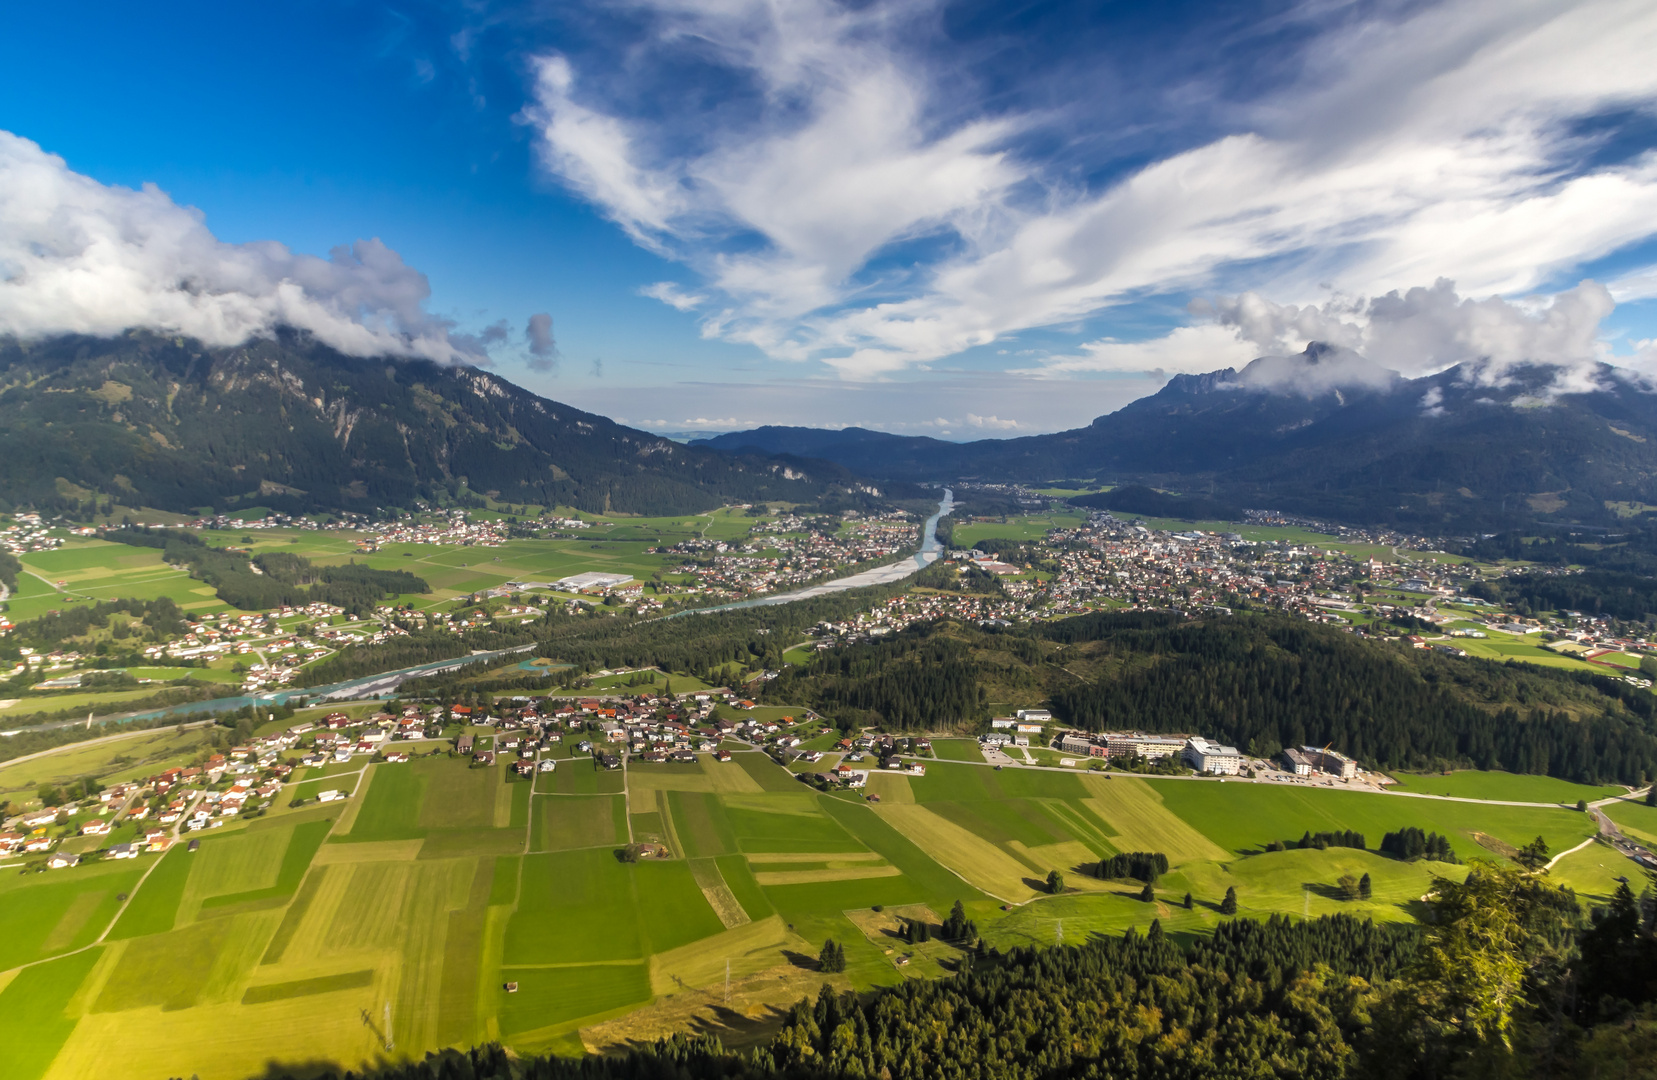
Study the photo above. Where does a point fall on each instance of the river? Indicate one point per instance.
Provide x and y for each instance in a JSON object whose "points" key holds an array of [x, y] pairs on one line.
{"points": [[369, 686], [879, 575], [385, 683]]}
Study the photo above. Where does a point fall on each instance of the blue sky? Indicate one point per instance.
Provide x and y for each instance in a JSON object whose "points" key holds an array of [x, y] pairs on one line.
{"points": [[974, 219]]}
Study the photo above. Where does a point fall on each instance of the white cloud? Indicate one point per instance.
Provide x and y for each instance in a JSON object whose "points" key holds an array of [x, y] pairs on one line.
{"points": [[1426, 329], [673, 296], [1412, 147], [77, 256], [1184, 350], [1638, 284]]}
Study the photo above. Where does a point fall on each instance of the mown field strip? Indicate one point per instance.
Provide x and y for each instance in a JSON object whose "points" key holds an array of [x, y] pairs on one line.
{"points": [[802, 877]]}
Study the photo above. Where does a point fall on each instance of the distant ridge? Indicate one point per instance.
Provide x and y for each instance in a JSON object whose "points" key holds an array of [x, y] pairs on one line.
{"points": [[1324, 433], [289, 424]]}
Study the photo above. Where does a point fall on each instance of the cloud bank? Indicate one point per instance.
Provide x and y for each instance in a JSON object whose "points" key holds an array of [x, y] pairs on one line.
{"points": [[858, 201], [1426, 329], [77, 256]]}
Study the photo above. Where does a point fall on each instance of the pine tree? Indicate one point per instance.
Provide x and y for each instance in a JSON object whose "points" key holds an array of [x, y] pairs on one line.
{"points": [[1189, 903], [1228, 906], [1651, 795], [1147, 894], [1365, 888], [832, 960], [1533, 856], [1055, 882]]}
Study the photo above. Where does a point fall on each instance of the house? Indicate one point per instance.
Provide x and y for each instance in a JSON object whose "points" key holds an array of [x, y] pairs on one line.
{"points": [[996, 738], [1144, 747], [37, 843], [463, 744], [1299, 762], [38, 818], [10, 842], [95, 827], [124, 851], [999, 722], [524, 768], [1035, 716], [331, 795], [852, 778], [1332, 762], [62, 859], [1208, 757], [1074, 742], [548, 765]]}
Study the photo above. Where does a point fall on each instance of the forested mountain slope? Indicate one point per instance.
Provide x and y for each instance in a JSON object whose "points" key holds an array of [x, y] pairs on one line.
{"points": [[166, 422], [1351, 442]]}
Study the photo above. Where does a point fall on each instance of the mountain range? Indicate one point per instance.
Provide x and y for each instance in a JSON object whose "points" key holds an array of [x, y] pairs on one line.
{"points": [[147, 420], [1323, 433]]}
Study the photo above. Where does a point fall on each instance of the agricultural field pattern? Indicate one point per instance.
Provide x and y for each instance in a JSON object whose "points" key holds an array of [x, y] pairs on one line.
{"points": [[445, 903]]}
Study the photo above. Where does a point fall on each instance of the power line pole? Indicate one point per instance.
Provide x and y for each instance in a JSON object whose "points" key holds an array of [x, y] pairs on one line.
{"points": [[1058, 936], [388, 1043], [727, 980]]}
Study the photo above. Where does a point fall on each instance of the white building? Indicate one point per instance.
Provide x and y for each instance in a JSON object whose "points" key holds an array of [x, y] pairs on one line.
{"points": [[1208, 757]]}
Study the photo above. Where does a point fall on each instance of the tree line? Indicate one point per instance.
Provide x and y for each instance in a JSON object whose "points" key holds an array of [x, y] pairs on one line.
{"points": [[1263, 683], [283, 579]]}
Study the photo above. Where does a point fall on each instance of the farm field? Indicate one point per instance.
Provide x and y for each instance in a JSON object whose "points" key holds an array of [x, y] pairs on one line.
{"points": [[1472, 784], [1025, 527], [438, 884]]}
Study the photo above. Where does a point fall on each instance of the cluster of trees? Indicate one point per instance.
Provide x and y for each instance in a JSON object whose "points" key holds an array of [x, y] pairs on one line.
{"points": [[958, 577], [162, 616], [915, 931], [283, 578], [9, 569], [1620, 594], [1146, 866], [1410, 844], [1352, 888], [832, 959], [914, 680], [1347, 838], [958, 927], [1265, 683]]}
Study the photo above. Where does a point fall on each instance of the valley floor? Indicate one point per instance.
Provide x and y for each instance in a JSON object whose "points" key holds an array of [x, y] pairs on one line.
{"points": [[445, 904]]}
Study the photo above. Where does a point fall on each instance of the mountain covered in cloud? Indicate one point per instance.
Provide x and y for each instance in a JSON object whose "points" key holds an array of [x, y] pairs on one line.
{"points": [[1324, 433], [290, 423]]}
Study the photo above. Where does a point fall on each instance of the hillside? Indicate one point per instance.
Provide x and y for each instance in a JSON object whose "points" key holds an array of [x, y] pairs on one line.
{"points": [[143, 420], [1326, 434]]}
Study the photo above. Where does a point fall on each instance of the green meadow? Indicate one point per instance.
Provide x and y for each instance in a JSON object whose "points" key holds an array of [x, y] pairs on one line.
{"points": [[440, 884], [1472, 784]]}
